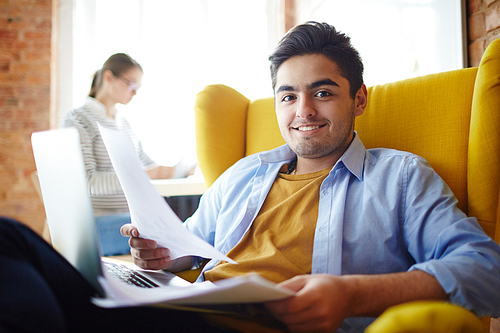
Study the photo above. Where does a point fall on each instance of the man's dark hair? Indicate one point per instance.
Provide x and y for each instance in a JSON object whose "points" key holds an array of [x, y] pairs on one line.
{"points": [[320, 38]]}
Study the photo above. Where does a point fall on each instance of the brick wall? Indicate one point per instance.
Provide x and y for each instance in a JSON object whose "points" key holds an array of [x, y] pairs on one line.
{"points": [[26, 87], [483, 18], [25, 59]]}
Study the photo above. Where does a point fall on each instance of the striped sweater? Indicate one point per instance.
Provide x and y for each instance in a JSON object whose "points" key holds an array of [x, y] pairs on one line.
{"points": [[104, 188]]}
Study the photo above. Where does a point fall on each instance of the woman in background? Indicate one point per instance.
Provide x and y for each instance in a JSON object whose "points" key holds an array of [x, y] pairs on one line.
{"points": [[116, 82]]}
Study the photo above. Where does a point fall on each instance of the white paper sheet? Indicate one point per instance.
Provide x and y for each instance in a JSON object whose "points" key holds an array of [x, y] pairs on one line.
{"points": [[152, 216], [250, 288]]}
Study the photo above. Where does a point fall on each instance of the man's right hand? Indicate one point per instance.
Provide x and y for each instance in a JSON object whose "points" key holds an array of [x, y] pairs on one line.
{"points": [[146, 253]]}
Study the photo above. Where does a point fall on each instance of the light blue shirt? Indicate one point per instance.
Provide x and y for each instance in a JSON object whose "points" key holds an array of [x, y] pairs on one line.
{"points": [[380, 211]]}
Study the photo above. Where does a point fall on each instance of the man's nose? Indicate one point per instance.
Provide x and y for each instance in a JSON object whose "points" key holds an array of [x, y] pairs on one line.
{"points": [[305, 108]]}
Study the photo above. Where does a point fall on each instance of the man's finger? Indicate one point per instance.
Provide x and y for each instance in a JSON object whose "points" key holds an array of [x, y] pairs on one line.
{"points": [[128, 230]]}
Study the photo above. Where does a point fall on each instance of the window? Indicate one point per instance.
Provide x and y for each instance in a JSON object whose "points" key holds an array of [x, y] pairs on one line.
{"points": [[182, 47], [186, 45], [397, 39]]}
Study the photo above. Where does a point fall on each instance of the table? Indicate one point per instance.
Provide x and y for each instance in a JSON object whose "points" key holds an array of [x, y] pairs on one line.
{"points": [[193, 185], [182, 194]]}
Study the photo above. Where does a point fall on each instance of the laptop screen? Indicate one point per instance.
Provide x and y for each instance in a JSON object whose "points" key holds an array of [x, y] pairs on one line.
{"points": [[61, 172]]}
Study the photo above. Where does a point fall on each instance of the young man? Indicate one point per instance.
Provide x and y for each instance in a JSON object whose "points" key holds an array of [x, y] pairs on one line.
{"points": [[352, 231]]}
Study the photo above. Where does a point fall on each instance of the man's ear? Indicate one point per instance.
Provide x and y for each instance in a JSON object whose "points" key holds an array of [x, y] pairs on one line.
{"points": [[361, 101]]}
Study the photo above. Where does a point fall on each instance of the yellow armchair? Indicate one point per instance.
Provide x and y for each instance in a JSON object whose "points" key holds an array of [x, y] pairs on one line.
{"points": [[452, 119]]}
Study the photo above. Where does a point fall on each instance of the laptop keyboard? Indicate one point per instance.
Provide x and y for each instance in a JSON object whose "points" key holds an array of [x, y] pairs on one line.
{"points": [[129, 276]]}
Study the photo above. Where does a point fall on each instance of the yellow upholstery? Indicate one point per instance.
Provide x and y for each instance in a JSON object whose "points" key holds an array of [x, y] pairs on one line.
{"points": [[428, 317], [229, 126], [452, 119]]}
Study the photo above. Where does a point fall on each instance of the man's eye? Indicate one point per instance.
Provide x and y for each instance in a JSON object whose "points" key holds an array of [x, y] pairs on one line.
{"points": [[323, 94], [287, 98]]}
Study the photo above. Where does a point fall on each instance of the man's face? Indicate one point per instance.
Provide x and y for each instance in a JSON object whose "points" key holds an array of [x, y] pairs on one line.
{"points": [[314, 109]]}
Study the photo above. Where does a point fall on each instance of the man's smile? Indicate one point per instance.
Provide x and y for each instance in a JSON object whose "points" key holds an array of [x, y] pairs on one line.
{"points": [[305, 128]]}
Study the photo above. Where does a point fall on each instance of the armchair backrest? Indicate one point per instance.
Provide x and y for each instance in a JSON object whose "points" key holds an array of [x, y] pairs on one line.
{"points": [[452, 119]]}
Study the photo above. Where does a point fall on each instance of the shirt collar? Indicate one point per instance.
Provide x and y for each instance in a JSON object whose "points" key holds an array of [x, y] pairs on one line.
{"points": [[354, 157], [97, 108], [280, 154]]}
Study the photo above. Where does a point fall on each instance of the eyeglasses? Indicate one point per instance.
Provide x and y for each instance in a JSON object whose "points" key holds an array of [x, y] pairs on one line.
{"points": [[132, 86]]}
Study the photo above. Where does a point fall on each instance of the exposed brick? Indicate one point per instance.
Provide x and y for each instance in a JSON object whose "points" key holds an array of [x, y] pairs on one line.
{"points": [[12, 102], [13, 19], [4, 102], [473, 6], [5, 114], [42, 45], [46, 25], [32, 102], [12, 34], [491, 36], [16, 24], [41, 68], [492, 19], [36, 125], [44, 2], [25, 56], [6, 91], [6, 43], [489, 2], [21, 114], [476, 27], [9, 55], [37, 35], [19, 67], [36, 79], [19, 45], [476, 51], [30, 56], [4, 66], [24, 91], [15, 125], [43, 90], [11, 78]]}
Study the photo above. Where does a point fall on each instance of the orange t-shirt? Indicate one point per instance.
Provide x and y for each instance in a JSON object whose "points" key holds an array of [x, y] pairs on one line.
{"points": [[279, 243]]}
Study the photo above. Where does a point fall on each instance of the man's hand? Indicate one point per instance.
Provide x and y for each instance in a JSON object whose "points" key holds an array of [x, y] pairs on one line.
{"points": [[148, 255], [319, 305], [323, 301]]}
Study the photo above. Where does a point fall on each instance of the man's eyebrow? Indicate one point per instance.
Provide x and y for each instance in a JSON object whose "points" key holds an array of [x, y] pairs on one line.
{"points": [[324, 82], [285, 88]]}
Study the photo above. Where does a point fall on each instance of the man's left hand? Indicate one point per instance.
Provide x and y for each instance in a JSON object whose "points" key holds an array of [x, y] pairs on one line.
{"points": [[319, 305]]}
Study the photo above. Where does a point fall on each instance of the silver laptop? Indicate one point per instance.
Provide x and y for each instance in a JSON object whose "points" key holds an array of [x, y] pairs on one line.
{"points": [[61, 172]]}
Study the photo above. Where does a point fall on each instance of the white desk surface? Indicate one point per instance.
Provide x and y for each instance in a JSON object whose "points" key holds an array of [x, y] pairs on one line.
{"points": [[193, 185]]}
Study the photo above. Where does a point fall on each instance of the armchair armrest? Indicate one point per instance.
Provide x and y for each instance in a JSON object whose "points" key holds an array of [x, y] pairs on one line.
{"points": [[428, 317]]}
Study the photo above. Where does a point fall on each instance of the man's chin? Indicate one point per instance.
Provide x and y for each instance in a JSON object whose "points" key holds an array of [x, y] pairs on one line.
{"points": [[311, 151]]}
